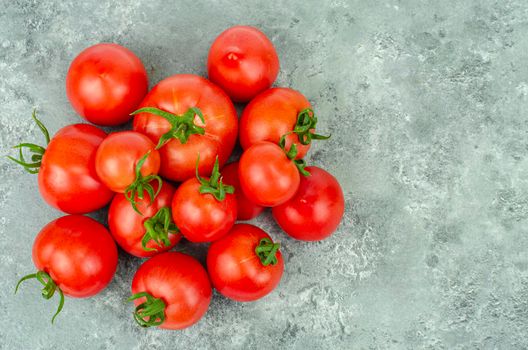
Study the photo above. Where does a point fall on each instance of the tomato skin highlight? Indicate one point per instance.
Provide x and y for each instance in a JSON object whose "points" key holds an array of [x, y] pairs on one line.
{"points": [[105, 83], [117, 156], [270, 115], [267, 177], [243, 62], [181, 282], [78, 253], [246, 209], [316, 209], [235, 269], [201, 217], [176, 94], [126, 225], [67, 178]]}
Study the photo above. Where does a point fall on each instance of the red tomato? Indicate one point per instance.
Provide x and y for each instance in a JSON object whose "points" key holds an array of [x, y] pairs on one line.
{"points": [[153, 229], [245, 265], [243, 62], [177, 95], [316, 209], [118, 157], [67, 178], [74, 255], [246, 209], [267, 176], [105, 83], [204, 210], [173, 288], [277, 112]]}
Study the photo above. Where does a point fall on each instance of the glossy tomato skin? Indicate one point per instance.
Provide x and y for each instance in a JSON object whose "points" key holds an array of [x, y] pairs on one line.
{"points": [[270, 115], [126, 225], [67, 177], [235, 269], [117, 156], [201, 217], [176, 94], [78, 253], [267, 177], [316, 209], [105, 83], [246, 209], [243, 62], [181, 282]]}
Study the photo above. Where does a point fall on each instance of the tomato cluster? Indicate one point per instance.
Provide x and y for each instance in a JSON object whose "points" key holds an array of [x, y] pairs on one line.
{"points": [[184, 131]]}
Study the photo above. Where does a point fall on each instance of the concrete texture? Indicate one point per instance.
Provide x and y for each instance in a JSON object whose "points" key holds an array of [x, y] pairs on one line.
{"points": [[427, 103]]}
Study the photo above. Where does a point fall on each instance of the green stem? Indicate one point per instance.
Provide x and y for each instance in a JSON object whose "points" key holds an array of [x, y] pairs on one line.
{"points": [[306, 122], [158, 229], [266, 251], [149, 313], [292, 153], [214, 185], [141, 184]]}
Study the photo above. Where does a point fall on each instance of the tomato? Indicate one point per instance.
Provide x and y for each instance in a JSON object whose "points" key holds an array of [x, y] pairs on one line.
{"points": [[316, 209], [149, 233], [204, 209], [66, 168], [245, 265], [183, 134], [267, 176], [170, 290], [246, 209], [75, 256], [243, 62], [105, 83], [277, 112]]}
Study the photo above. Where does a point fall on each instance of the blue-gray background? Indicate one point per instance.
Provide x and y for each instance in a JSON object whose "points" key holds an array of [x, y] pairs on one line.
{"points": [[427, 103]]}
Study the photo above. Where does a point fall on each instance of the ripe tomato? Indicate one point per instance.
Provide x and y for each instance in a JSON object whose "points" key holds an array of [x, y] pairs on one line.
{"points": [[66, 168], [277, 112], [316, 209], [148, 233], [245, 265], [171, 290], [75, 256], [182, 132], [267, 176], [105, 83], [243, 62], [204, 209], [246, 209]]}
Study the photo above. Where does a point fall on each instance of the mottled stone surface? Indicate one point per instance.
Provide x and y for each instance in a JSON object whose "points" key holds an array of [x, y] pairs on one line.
{"points": [[427, 103]]}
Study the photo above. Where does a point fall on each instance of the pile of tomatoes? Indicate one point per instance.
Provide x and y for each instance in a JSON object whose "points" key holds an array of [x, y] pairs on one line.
{"points": [[184, 131]]}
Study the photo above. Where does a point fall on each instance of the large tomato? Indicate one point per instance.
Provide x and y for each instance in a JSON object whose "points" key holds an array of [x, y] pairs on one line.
{"points": [[171, 290], [75, 256], [66, 168], [277, 112], [243, 62], [183, 133], [316, 209], [246, 209], [105, 83], [246, 264], [204, 209], [148, 233]]}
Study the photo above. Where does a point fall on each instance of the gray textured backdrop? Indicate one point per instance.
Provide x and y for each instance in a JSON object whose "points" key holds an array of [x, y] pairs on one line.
{"points": [[427, 102]]}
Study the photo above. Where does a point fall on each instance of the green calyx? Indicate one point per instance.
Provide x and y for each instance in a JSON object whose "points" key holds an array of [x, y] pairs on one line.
{"points": [[266, 251], [292, 153], [306, 122], [158, 229], [48, 291], [141, 184], [149, 313], [182, 126], [37, 151], [214, 185]]}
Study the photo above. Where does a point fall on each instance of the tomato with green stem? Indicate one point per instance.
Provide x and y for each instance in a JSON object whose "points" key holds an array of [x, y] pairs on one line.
{"points": [[246, 209], [170, 290], [245, 265], [204, 209], [66, 168], [149, 233], [74, 256]]}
